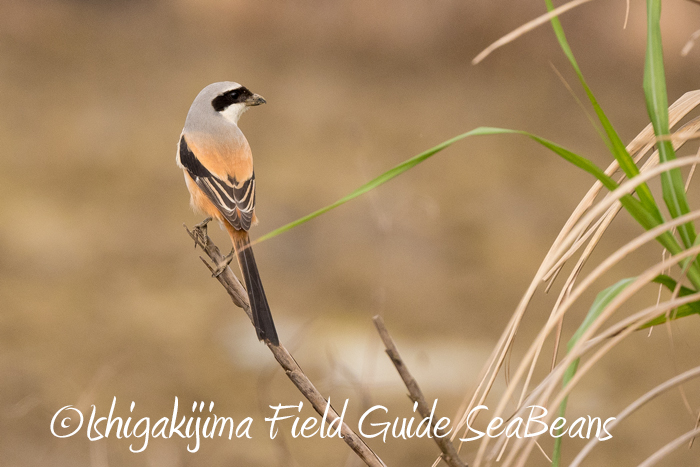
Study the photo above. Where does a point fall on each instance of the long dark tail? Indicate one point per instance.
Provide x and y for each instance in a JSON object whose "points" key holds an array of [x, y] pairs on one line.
{"points": [[262, 318]]}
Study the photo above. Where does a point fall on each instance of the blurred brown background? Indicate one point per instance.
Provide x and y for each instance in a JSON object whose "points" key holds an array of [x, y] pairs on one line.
{"points": [[103, 296]]}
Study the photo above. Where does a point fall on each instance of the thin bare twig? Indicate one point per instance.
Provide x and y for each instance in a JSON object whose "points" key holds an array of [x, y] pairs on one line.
{"points": [[294, 372], [449, 453]]}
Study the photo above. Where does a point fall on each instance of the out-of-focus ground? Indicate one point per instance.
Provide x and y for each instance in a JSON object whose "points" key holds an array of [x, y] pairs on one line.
{"points": [[102, 294]]}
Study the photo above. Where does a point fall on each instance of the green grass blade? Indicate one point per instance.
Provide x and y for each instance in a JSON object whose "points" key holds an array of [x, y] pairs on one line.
{"points": [[637, 210], [671, 283], [575, 159], [682, 311], [602, 300], [674, 196], [657, 107], [380, 180], [614, 142], [647, 219]]}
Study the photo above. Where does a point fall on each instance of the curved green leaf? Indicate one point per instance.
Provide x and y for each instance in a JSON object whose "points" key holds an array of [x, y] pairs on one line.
{"points": [[614, 143], [682, 311], [638, 211], [602, 300], [380, 180], [657, 107], [570, 156]]}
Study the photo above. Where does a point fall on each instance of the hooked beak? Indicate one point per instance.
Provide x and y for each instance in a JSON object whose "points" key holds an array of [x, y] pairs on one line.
{"points": [[255, 99]]}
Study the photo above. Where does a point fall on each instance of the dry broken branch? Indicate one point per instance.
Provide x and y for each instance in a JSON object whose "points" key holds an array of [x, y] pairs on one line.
{"points": [[292, 369], [449, 453]]}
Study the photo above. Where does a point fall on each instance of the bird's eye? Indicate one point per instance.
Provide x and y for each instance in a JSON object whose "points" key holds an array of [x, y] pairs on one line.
{"points": [[222, 101], [234, 96]]}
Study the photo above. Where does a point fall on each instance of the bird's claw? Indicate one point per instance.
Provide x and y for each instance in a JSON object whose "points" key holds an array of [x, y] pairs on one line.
{"points": [[221, 267], [200, 233]]}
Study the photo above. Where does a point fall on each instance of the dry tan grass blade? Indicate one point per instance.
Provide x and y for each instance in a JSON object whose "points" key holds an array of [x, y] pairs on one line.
{"points": [[690, 44], [552, 382], [603, 205], [641, 144], [506, 338], [634, 406], [527, 27], [638, 147], [670, 447], [599, 228], [653, 311]]}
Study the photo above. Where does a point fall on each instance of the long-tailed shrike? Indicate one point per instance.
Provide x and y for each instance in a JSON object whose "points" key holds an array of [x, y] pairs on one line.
{"points": [[218, 166]]}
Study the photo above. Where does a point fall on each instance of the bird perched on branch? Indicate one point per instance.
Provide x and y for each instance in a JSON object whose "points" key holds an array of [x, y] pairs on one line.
{"points": [[218, 166]]}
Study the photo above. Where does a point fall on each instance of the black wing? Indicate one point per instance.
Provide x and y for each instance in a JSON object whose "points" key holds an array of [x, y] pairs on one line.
{"points": [[235, 200]]}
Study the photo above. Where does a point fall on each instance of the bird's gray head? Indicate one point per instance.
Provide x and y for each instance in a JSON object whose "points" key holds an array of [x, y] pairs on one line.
{"points": [[226, 98]]}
